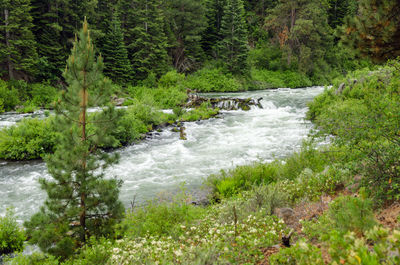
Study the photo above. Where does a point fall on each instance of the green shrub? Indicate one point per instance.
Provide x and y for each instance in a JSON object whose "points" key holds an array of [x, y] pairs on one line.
{"points": [[351, 214], [8, 96], [201, 113], [129, 128], [96, 251], [231, 182], [12, 236], [213, 80], [312, 185], [29, 139], [364, 118], [43, 95], [35, 259], [276, 79], [171, 79], [345, 214], [158, 219], [300, 254]]}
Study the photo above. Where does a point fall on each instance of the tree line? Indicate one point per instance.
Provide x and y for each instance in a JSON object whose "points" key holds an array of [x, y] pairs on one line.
{"points": [[142, 38]]}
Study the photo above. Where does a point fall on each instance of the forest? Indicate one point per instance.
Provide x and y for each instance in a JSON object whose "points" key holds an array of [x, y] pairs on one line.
{"points": [[92, 80]]}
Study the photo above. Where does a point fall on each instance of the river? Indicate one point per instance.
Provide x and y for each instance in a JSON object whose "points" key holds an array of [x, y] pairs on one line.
{"points": [[159, 165]]}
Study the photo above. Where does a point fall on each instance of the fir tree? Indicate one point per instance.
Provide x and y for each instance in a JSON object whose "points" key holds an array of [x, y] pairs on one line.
{"points": [[47, 30], [81, 202], [300, 28], [212, 34], [118, 67], [233, 47], [375, 31], [145, 37], [186, 21], [18, 54]]}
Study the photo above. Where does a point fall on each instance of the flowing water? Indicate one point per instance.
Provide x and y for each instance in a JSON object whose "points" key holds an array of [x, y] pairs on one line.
{"points": [[161, 164]]}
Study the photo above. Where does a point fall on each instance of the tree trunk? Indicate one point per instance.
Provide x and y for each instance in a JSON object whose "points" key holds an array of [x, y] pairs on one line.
{"points": [[9, 61], [84, 102]]}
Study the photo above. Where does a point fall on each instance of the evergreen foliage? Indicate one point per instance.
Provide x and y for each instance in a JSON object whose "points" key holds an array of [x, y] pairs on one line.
{"points": [[117, 65], [375, 31], [233, 46], [300, 28], [18, 56], [145, 37], [81, 201], [186, 21], [48, 33], [211, 35]]}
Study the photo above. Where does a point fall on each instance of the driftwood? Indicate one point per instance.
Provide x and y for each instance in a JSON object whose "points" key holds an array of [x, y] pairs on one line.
{"points": [[195, 100]]}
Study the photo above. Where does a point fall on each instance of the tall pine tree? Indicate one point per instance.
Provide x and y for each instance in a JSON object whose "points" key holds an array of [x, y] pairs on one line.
{"points": [[118, 67], [81, 202], [212, 35], [233, 46], [145, 37], [47, 30], [186, 21], [18, 56], [300, 28]]}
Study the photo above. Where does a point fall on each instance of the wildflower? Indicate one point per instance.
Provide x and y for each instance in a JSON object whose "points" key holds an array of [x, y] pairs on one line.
{"points": [[178, 253], [183, 227]]}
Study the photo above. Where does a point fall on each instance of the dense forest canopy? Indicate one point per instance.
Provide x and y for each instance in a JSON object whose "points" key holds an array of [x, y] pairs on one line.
{"points": [[142, 38]]}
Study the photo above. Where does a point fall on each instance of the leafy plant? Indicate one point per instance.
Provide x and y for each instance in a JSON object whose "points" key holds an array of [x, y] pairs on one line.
{"points": [[12, 237]]}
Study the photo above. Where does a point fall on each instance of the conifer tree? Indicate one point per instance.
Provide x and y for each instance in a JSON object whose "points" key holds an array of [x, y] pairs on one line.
{"points": [[375, 31], [212, 34], [233, 47], [300, 28], [117, 65], [18, 56], [186, 21], [47, 30], [145, 37], [80, 202]]}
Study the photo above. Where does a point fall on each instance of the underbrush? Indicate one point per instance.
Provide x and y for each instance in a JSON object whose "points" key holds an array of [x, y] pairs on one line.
{"points": [[276, 79], [301, 170], [364, 117]]}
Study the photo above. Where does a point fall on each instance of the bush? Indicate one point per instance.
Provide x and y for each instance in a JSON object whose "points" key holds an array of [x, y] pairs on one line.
{"points": [[43, 95], [364, 118], [157, 219], [201, 113], [213, 80], [345, 214], [272, 79], [29, 139], [12, 236], [8, 97], [171, 79], [231, 182], [301, 254]]}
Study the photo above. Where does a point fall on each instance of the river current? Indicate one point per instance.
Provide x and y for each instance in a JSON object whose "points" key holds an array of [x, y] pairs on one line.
{"points": [[161, 164]]}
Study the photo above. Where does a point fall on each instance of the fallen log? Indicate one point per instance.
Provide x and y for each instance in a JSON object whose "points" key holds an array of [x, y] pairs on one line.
{"points": [[228, 103]]}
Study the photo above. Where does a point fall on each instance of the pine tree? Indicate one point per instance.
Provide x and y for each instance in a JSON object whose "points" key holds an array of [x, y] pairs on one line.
{"points": [[300, 28], [118, 67], [47, 30], [212, 34], [233, 46], [145, 37], [186, 21], [81, 202], [18, 56], [375, 31]]}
